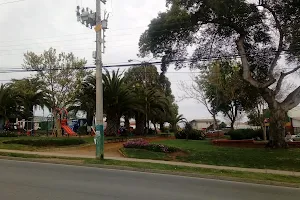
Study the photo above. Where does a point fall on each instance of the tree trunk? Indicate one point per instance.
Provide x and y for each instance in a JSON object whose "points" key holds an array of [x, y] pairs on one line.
{"points": [[112, 127], [215, 122], [90, 118], [155, 128], [263, 127], [140, 125], [277, 128], [161, 126], [127, 123], [232, 125]]}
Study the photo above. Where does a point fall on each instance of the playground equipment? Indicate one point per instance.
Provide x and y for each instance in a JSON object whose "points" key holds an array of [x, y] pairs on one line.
{"points": [[61, 123]]}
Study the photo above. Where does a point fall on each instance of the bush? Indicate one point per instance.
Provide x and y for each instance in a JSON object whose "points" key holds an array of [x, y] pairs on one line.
{"points": [[8, 134], [82, 130], [143, 144], [46, 142], [245, 134], [193, 134]]}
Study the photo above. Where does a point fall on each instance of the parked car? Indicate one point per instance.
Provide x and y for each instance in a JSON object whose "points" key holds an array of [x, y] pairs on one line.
{"points": [[296, 137]]}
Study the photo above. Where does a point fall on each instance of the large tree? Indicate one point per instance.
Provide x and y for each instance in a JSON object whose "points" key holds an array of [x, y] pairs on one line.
{"points": [[8, 103], [227, 91], [31, 92], [260, 35], [118, 99], [62, 73], [145, 81]]}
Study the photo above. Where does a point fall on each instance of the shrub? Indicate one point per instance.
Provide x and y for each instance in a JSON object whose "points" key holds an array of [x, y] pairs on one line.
{"points": [[12, 134], [46, 142], [245, 134], [8, 134], [143, 144], [82, 130], [193, 134]]}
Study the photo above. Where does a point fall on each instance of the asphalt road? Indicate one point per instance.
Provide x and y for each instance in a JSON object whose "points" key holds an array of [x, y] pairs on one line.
{"points": [[36, 181]]}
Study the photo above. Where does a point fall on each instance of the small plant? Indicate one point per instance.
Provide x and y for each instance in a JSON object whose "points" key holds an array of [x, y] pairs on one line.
{"points": [[143, 144]]}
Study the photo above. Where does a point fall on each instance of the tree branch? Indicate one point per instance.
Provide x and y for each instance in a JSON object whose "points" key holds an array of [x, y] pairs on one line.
{"points": [[280, 44], [292, 100], [282, 76], [246, 68]]}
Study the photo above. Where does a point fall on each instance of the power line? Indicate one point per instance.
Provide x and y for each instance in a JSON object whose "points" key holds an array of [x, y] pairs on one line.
{"points": [[10, 2], [129, 64]]}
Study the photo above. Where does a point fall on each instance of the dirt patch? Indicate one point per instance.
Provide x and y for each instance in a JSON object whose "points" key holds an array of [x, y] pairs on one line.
{"points": [[174, 156], [110, 149]]}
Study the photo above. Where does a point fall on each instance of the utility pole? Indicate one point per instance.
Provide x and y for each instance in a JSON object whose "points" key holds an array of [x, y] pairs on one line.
{"points": [[90, 19]]}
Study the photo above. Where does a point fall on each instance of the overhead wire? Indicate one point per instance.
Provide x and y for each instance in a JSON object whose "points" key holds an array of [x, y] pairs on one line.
{"points": [[10, 2]]}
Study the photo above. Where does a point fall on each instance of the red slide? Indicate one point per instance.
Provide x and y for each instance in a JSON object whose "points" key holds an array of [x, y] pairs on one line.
{"points": [[68, 130]]}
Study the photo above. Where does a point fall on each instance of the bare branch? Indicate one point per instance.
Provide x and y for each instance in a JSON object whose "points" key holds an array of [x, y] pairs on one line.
{"points": [[196, 93], [292, 100], [282, 76], [280, 44]]}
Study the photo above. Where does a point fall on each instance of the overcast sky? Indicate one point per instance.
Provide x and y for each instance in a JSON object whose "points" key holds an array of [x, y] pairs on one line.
{"points": [[37, 25]]}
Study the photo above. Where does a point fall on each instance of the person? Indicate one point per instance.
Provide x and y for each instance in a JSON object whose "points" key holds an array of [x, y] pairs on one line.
{"points": [[288, 137]]}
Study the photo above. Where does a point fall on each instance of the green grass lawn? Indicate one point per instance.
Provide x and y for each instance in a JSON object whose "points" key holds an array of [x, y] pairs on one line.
{"points": [[87, 140], [202, 152]]}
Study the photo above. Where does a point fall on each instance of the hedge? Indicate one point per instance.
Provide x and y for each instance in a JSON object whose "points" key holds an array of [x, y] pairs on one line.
{"points": [[46, 142], [192, 134], [244, 134]]}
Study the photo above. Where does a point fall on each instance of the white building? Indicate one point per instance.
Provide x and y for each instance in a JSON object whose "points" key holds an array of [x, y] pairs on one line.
{"points": [[201, 124], [294, 114]]}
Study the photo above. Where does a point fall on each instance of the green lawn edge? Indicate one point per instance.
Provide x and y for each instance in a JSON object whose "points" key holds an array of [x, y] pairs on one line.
{"points": [[231, 175]]}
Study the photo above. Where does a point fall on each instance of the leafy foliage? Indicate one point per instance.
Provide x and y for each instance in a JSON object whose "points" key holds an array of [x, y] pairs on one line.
{"points": [[118, 99], [234, 29], [30, 93], [8, 104], [143, 144], [244, 134], [190, 134], [153, 94], [62, 74], [227, 91]]}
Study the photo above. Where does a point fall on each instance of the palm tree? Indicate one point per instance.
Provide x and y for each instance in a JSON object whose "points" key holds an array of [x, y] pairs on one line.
{"points": [[31, 92], [85, 99], [8, 104], [118, 100], [177, 119], [154, 104]]}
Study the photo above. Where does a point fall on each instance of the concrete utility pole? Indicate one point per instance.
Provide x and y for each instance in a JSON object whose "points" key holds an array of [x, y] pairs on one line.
{"points": [[91, 19]]}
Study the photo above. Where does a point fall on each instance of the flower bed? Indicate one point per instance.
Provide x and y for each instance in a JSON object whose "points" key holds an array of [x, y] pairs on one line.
{"points": [[143, 144]]}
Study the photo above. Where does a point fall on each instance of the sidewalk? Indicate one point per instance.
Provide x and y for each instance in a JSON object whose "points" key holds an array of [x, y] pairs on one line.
{"points": [[268, 171]]}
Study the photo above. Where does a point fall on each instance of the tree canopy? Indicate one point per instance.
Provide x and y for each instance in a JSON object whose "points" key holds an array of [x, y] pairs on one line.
{"points": [[234, 29], [62, 73]]}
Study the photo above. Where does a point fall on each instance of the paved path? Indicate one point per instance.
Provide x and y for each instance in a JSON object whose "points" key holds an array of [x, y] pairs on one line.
{"points": [[56, 154], [38, 181]]}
